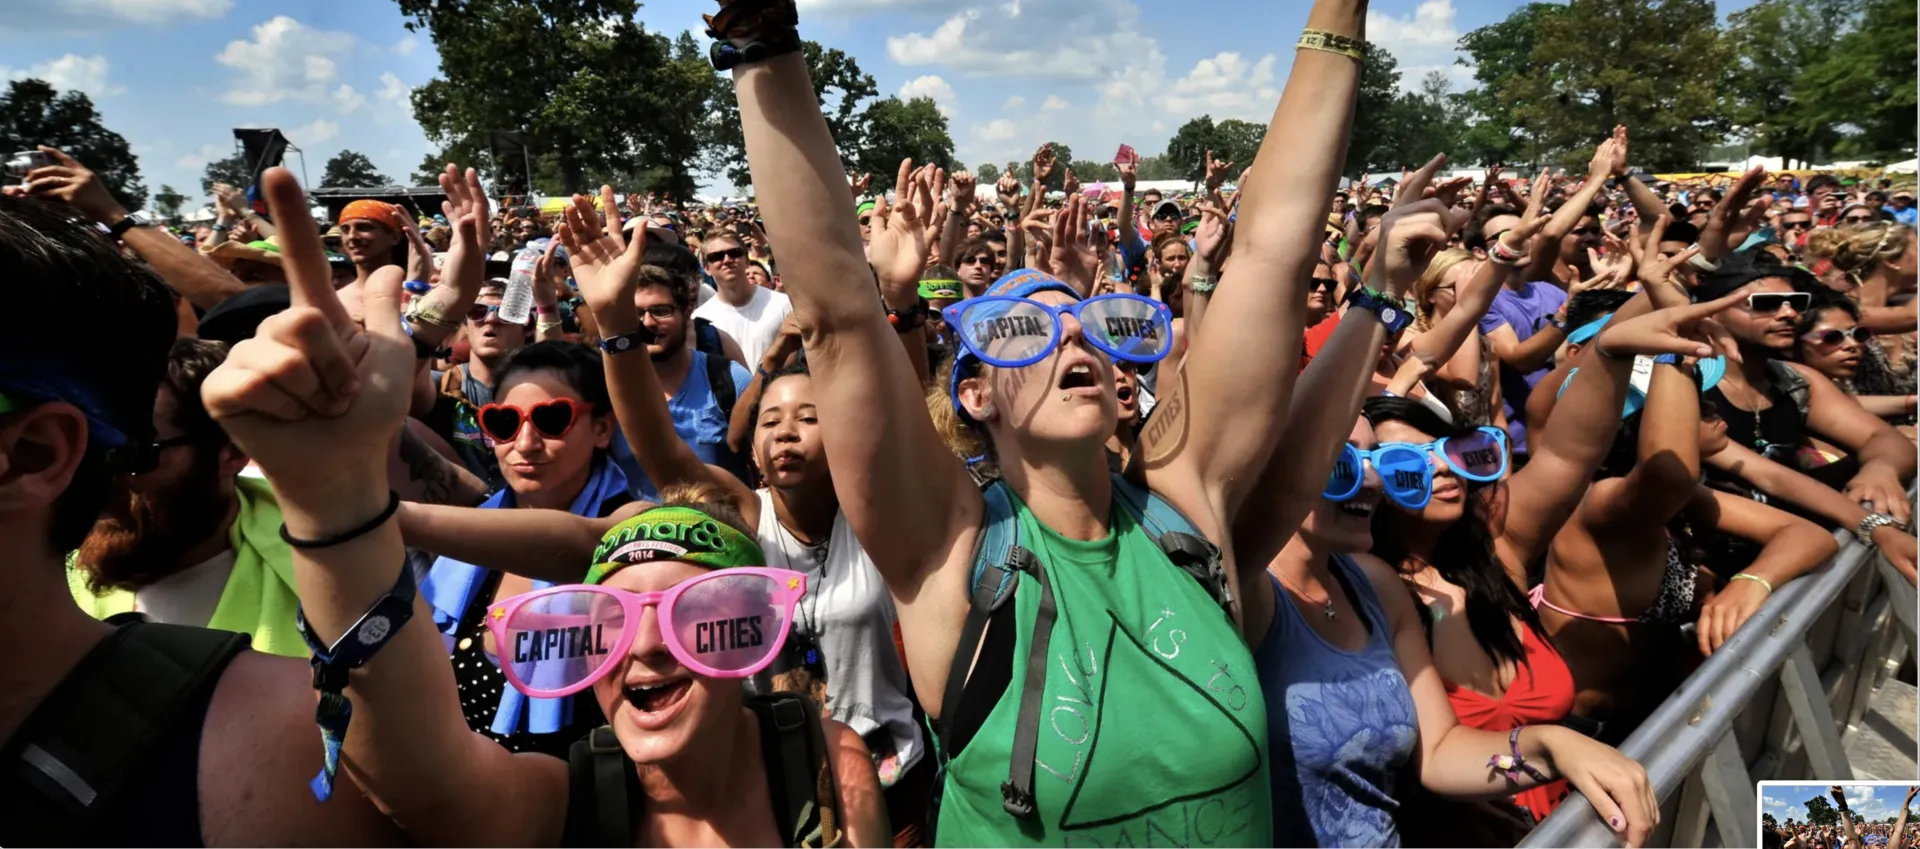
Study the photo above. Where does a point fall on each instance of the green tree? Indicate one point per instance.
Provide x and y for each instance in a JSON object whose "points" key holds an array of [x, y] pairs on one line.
{"points": [[167, 202], [1821, 812], [1158, 168], [1653, 65], [1374, 144], [352, 169], [1089, 171], [32, 112], [1501, 53], [592, 89], [1867, 82], [1770, 46], [232, 170], [986, 174], [902, 129], [1231, 140], [843, 90]]}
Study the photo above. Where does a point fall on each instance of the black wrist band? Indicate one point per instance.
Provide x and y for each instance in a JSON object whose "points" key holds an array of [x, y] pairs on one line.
{"points": [[749, 31], [393, 506]]}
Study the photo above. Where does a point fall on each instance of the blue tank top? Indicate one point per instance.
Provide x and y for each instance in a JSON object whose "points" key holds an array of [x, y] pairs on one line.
{"points": [[1340, 724], [698, 419]]}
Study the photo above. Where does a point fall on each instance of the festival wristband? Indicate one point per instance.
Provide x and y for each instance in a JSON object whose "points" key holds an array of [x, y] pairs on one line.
{"points": [[356, 646], [418, 287], [1754, 578], [1512, 765], [546, 310], [1329, 42], [639, 338], [1203, 284], [672, 533]]}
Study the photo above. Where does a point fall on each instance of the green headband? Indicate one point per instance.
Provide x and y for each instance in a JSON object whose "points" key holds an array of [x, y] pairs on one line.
{"points": [[865, 206], [673, 533], [931, 289]]}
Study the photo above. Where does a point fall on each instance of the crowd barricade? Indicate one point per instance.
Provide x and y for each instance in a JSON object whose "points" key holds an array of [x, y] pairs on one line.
{"points": [[1772, 703]]}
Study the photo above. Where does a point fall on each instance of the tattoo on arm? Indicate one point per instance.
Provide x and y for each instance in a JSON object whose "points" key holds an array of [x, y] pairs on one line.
{"points": [[441, 480]]}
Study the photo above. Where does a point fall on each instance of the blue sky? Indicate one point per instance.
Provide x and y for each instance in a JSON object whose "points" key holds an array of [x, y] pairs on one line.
{"points": [[176, 76], [1789, 801]]}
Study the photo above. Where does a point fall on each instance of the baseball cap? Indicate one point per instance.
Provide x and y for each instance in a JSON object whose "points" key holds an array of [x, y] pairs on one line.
{"points": [[1168, 209], [235, 319], [1746, 267]]}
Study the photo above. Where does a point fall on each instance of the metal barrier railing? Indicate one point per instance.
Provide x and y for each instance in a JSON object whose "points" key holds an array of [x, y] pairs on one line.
{"points": [[1689, 740]]}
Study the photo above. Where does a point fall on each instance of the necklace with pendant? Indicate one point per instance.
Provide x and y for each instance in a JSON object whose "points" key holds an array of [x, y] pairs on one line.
{"points": [[1326, 606]]}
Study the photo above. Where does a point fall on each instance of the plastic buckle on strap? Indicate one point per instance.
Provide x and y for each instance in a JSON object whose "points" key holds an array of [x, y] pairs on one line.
{"points": [[352, 651], [1017, 802]]}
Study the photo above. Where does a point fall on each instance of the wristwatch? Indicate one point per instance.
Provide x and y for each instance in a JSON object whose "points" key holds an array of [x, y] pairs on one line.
{"points": [[132, 220], [625, 342], [1390, 313], [1873, 521]]}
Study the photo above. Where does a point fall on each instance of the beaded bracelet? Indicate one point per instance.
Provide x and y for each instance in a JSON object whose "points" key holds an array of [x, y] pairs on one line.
{"points": [[1332, 42]]}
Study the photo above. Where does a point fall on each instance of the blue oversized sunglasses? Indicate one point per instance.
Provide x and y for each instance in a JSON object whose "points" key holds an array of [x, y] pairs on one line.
{"points": [[1011, 332], [1406, 468]]}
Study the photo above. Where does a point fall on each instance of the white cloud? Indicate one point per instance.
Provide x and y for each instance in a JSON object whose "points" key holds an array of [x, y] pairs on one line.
{"points": [[996, 130], [860, 8], [405, 45], [87, 74], [1024, 39], [934, 87], [1427, 40], [285, 60], [395, 98], [207, 153], [96, 15], [309, 135], [347, 100], [1014, 102], [1053, 103], [1225, 86]]}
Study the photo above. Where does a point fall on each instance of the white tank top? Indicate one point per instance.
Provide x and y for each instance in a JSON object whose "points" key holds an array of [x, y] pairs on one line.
{"points": [[848, 613]]}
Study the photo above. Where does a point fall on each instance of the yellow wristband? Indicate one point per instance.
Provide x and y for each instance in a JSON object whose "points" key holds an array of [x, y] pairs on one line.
{"points": [[1754, 578], [1329, 42]]}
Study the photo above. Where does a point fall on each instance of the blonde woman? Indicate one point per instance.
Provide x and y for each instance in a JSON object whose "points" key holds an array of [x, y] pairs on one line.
{"points": [[1880, 263], [1468, 382]]}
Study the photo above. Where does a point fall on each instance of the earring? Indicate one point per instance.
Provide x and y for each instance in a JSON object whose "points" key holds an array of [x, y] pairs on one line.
{"points": [[986, 412]]}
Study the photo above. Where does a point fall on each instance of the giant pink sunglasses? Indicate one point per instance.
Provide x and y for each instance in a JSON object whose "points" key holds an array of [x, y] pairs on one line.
{"points": [[729, 623]]}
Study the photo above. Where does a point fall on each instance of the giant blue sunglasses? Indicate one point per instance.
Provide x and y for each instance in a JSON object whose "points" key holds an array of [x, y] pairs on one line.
{"points": [[1406, 468], [1011, 332]]}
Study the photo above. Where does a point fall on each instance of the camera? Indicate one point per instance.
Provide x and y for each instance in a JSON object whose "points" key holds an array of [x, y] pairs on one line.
{"points": [[20, 163]]}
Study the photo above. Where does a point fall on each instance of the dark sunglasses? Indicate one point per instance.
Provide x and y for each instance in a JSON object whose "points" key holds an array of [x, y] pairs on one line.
{"points": [[1769, 303], [144, 459], [1833, 336], [1858, 219], [977, 260], [552, 419], [479, 313], [864, 219], [1797, 225], [1587, 231], [1327, 283], [723, 256]]}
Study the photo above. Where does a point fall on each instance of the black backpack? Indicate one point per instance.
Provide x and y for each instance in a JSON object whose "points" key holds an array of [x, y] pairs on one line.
{"points": [[719, 368], [64, 774], [604, 797]]}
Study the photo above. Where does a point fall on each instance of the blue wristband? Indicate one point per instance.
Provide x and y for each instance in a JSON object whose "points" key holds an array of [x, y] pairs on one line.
{"points": [[418, 287]]}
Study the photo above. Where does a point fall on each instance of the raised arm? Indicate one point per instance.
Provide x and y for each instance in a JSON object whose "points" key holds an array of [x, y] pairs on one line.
{"points": [[954, 231], [1609, 158], [1667, 461], [1580, 430], [1221, 410], [890, 468], [1323, 411], [316, 400], [1210, 247]]}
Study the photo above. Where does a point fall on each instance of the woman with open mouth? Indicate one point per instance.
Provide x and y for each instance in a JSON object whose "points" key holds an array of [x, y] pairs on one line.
{"points": [[676, 610]]}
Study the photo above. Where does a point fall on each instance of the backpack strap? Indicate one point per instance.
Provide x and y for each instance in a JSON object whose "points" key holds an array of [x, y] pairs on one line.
{"points": [[68, 767], [997, 562], [1016, 795], [793, 745], [1178, 538], [720, 381], [604, 797]]}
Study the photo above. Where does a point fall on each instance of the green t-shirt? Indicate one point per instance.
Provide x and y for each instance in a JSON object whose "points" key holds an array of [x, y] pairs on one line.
{"points": [[1153, 729]]}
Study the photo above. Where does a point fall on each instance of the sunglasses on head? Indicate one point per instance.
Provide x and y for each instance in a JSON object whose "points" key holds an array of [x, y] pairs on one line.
{"points": [[553, 419], [1834, 336], [728, 623], [1768, 303], [1406, 468], [729, 253]]}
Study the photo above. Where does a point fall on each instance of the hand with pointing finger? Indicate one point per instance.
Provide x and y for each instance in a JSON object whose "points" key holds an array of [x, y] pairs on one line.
{"points": [[313, 397]]}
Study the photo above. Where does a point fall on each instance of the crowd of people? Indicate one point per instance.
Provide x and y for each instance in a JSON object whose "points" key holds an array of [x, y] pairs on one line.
{"points": [[877, 543], [1850, 833]]}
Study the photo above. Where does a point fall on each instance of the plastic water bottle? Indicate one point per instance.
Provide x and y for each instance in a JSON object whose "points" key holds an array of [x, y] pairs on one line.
{"points": [[516, 306]]}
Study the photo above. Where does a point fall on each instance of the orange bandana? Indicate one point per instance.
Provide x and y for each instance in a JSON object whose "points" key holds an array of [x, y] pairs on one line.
{"points": [[379, 212]]}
